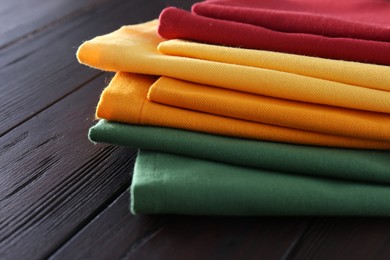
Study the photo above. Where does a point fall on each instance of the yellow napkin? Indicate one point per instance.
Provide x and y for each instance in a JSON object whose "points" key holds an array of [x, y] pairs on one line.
{"points": [[353, 73], [134, 49], [125, 100]]}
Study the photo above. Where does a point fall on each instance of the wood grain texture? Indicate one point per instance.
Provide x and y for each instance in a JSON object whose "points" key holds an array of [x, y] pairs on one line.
{"points": [[223, 238], [182, 237], [53, 179], [20, 19], [115, 230], [345, 238]]}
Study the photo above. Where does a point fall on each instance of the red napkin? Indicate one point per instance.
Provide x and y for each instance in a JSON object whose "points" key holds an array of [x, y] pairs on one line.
{"points": [[357, 19], [176, 23]]}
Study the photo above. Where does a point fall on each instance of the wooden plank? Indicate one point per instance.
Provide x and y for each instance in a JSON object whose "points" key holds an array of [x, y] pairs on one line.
{"points": [[345, 238], [181, 237], [111, 233], [53, 180], [35, 142], [42, 70], [23, 18], [223, 238]]}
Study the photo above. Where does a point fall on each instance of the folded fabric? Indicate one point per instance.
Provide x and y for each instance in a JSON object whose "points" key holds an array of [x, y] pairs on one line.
{"points": [[124, 100], [165, 183], [134, 49], [353, 73], [273, 111], [353, 164], [176, 23], [358, 19]]}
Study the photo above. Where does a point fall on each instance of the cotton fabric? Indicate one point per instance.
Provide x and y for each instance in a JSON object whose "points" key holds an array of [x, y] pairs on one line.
{"points": [[235, 131], [134, 49], [352, 164], [357, 19], [273, 111], [351, 73], [179, 24], [125, 100], [165, 183]]}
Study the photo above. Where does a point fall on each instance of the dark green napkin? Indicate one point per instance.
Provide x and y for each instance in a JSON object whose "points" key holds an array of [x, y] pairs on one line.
{"points": [[363, 165], [167, 183]]}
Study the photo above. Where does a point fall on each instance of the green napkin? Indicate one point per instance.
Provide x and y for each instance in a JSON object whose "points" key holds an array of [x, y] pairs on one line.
{"points": [[363, 165], [166, 183]]}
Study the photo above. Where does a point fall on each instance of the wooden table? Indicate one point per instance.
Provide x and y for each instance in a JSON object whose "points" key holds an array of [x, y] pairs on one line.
{"points": [[62, 197]]}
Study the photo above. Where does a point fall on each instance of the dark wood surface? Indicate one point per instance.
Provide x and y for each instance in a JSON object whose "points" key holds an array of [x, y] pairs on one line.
{"points": [[62, 197]]}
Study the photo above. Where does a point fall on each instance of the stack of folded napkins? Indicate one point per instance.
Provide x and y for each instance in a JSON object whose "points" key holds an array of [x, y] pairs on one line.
{"points": [[252, 107]]}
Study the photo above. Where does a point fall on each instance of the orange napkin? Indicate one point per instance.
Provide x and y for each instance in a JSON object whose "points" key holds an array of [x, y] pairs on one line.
{"points": [[125, 100], [273, 111]]}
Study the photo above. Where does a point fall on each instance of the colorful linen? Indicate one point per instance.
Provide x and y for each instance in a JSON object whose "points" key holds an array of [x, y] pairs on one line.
{"points": [[179, 24], [352, 164], [125, 100], [356, 19], [134, 49], [166, 183], [273, 111], [246, 130]]}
